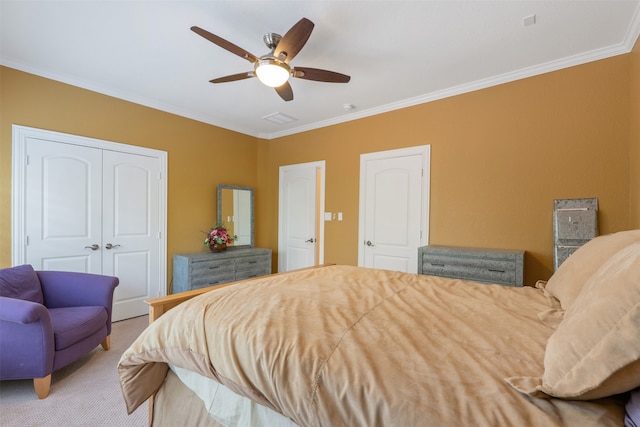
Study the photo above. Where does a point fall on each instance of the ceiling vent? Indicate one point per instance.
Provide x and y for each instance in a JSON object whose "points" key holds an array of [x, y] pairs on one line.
{"points": [[279, 118]]}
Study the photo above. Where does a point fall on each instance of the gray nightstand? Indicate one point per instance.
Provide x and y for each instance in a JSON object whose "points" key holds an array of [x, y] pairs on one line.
{"points": [[501, 266]]}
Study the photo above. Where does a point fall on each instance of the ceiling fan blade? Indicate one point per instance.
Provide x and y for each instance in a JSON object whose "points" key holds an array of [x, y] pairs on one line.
{"points": [[294, 40], [285, 91], [233, 77], [225, 44], [320, 75]]}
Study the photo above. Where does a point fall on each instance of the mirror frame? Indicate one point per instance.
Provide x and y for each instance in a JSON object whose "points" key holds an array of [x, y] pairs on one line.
{"points": [[219, 216]]}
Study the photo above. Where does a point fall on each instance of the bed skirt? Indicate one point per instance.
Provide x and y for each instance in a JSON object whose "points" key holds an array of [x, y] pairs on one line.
{"points": [[176, 405]]}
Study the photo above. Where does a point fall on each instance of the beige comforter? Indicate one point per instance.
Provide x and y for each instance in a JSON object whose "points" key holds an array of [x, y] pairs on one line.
{"points": [[347, 346]]}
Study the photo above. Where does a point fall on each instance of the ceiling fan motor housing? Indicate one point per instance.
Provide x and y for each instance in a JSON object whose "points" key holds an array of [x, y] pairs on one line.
{"points": [[272, 40]]}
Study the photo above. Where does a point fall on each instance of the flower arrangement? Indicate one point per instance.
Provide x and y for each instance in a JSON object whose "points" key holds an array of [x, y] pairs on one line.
{"points": [[218, 235]]}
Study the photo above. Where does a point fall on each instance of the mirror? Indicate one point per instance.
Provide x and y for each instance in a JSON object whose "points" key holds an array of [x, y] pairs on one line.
{"points": [[235, 211]]}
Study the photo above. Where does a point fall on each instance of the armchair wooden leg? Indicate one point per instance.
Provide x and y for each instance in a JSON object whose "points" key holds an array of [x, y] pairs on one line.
{"points": [[42, 386], [106, 343]]}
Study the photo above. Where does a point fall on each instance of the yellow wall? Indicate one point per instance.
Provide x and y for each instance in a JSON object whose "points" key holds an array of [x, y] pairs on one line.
{"points": [[499, 157], [193, 149], [634, 152]]}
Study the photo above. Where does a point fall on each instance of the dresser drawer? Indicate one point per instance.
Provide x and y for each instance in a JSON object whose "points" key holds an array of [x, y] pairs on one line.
{"points": [[253, 261], [208, 267], [253, 272], [212, 280], [253, 266]]}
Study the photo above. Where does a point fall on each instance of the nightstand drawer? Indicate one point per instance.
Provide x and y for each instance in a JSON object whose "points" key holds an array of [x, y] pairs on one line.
{"points": [[492, 274], [447, 261], [504, 267]]}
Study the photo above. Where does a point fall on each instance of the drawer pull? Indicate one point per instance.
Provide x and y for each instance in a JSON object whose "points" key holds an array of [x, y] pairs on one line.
{"points": [[437, 265], [253, 262], [214, 283], [496, 270], [213, 268]]}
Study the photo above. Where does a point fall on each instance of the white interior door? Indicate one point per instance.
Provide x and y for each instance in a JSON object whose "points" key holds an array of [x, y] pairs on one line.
{"points": [[130, 229], [81, 207], [300, 229], [393, 208], [63, 207]]}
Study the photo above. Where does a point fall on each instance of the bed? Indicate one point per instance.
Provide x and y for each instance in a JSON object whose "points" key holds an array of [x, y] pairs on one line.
{"points": [[349, 346]]}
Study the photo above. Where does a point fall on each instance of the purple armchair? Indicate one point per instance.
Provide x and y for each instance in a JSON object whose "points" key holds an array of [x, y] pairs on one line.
{"points": [[49, 319]]}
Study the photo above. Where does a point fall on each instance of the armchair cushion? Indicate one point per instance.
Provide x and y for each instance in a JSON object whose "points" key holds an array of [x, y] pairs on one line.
{"points": [[73, 324], [21, 282]]}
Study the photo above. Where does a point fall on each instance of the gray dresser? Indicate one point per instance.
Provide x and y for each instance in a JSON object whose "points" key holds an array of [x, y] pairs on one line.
{"points": [[202, 269], [501, 266]]}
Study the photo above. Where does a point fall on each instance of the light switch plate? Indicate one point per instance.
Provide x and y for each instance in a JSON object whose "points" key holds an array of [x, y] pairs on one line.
{"points": [[327, 216]]}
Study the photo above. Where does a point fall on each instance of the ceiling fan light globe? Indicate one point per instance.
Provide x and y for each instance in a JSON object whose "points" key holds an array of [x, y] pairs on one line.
{"points": [[271, 72]]}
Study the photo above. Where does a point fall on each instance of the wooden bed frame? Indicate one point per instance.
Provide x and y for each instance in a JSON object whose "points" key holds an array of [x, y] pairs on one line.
{"points": [[159, 306]]}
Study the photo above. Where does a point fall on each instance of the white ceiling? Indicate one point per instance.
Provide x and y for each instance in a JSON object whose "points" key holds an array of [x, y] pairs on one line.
{"points": [[398, 53]]}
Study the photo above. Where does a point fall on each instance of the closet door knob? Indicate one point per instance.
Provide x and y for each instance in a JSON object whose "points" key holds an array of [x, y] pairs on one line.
{"points": [[311, 240], [110, 246], [93, 247], [368, 243]]}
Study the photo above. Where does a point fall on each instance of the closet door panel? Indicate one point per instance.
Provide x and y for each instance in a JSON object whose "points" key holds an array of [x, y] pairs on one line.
{"points": [[63, 206], [131, 229]]}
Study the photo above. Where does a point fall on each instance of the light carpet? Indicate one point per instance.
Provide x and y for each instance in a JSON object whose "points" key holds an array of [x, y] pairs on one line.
{"points": [[84, 393]]}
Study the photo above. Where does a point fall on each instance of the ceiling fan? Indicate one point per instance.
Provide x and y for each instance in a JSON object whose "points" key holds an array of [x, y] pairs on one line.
{"points": [[273, 69]]}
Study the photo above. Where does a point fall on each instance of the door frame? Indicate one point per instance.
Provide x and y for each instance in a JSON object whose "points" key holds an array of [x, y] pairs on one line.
{"points": [[425, 152], [320, 166], [20, 134]]}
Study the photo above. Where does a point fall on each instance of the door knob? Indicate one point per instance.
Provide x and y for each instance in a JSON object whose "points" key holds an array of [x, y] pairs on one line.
{"points": [[311, 240], [110, 246], [368, 243], [93, 247]]}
